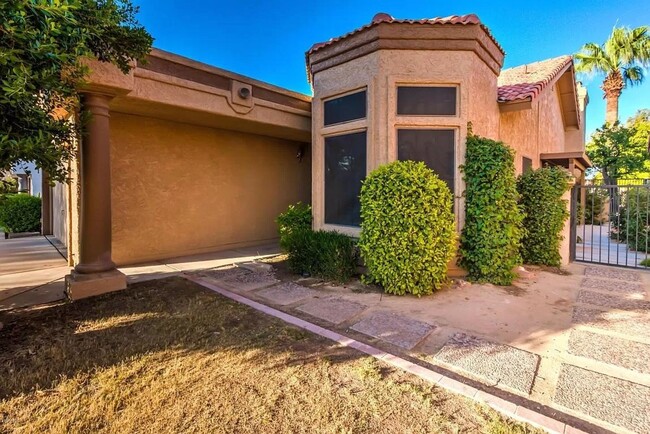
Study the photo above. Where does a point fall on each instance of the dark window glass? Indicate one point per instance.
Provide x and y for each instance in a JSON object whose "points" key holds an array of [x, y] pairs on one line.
{"points": [[345, 168], [346, 108], [526, 164], [426, 101], [433, 147]]}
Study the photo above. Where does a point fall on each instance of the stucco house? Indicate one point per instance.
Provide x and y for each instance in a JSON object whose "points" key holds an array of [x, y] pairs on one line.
{"points": [[182, 157]]}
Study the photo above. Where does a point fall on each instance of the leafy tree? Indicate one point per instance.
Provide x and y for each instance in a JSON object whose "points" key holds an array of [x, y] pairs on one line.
{"points": [[42, 47], [620, 59], [619, 151]]}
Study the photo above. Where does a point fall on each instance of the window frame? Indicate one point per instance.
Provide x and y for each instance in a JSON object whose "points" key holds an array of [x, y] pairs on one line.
{"points": [[399, 84], [342, 128], [343, 95]]}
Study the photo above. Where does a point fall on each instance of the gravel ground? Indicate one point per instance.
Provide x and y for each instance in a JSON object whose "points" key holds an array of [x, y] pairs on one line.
{"points": [[501, 364], [614, 286], [607, 398], [616, 351]]}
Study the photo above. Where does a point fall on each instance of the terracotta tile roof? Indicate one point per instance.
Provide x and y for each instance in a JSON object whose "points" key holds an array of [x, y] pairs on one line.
{"points": [[470, 19], [526, 82]]}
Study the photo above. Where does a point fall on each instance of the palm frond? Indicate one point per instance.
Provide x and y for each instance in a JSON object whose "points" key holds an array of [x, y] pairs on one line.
{"points": [[633, 75], [592, 58]]}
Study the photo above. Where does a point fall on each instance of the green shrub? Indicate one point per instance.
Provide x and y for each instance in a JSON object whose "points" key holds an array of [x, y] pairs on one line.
{"points": [[295, 219], [20, 213], [408, 234], [325, 254], [545, 213], [491, 237], [645, 262]]}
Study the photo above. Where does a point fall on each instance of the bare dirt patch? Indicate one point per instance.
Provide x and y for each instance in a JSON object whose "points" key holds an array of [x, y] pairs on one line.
{"points": [[169, 356]]}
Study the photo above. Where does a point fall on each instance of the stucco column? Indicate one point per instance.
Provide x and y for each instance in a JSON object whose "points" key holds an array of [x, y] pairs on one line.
{"points": [[95, 272], [95, 221]]}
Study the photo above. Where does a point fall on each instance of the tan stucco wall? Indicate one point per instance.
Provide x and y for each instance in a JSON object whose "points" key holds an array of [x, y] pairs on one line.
{"points": [[519, 130], [551, 125], [180, 189], [540, 129]]}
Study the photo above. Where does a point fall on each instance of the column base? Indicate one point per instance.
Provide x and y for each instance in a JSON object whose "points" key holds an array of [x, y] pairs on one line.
{"points": [[78, 286]]}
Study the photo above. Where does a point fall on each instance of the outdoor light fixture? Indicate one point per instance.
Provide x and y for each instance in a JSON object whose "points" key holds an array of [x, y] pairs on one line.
{"points": [[301, 152], [244, 92]]}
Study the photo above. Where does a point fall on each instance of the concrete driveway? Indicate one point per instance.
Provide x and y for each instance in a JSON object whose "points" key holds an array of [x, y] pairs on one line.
{"points": [[31, 272]]}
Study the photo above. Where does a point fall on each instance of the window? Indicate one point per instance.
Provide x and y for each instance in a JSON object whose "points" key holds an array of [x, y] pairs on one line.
{"points": [[426, 100], [526, 164], [346, 108], [345, 168], [433, 147]]}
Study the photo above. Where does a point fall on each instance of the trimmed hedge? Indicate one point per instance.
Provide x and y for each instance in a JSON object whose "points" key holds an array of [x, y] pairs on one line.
{"points": [[491, 237], [20, 213], [325, 254], [408, 233], [545, 213]]}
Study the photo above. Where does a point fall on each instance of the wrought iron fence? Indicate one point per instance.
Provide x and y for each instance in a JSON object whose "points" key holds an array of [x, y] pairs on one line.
{"points": [[610, 224]]}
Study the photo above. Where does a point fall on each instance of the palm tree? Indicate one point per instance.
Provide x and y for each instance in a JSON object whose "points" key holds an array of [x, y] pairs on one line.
{"points": [[621, 59]]}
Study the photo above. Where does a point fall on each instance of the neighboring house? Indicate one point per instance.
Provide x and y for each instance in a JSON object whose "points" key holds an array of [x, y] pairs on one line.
{"points": [[29, 179], [184, 158]]}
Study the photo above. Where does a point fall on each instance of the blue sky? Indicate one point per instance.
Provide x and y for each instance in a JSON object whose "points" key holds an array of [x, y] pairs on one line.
{"points": [[267, 40]]}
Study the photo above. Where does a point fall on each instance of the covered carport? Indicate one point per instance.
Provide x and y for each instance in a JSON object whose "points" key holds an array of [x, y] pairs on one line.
{"points": [[180, 158]]}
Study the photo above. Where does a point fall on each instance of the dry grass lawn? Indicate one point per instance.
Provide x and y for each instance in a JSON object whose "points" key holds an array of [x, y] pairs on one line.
{"points": [[169, 356]]}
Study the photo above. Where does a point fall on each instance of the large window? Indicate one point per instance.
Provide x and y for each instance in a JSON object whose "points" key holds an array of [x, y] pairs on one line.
{"points": [[346, 108], [345, 168], [433, 147], [426, 101]]}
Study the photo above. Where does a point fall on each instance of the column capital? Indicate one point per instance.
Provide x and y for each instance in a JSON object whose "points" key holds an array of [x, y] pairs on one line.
{"points": [[97, 103]]}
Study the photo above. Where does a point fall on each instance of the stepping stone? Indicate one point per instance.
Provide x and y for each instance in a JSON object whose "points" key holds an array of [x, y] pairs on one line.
{"points": [[240, 278], [334, 310], [286, 293], [608, 285], [615, 351], [612, 301], [610, 399], [613, 273], [499, 364], [394, 329], [626, 322]]}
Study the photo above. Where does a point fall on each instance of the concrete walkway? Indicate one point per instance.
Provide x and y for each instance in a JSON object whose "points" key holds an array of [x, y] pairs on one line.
{"points": [[597, 246], [32, 271], [578, 344]]}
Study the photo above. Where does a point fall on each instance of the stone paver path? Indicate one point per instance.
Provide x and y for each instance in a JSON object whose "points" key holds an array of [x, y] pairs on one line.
{"points": [[333, 310], [611, 334], [394, 329]]}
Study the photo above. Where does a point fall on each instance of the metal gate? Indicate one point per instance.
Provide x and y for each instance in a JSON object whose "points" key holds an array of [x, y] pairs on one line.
{"points": [[610, 224]]}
